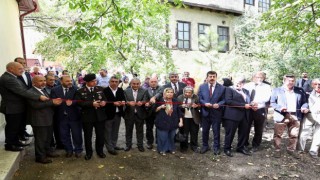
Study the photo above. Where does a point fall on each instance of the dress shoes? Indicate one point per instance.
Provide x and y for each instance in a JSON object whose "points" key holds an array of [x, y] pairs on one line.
{"points": [[23, 138], [69, 154], [216, 151], [128, 148], [314, 156], [204, 150], [88, 156], [244, 151], [13, 148], [52, 155], [78, 155], [44, 160], [101, 155], [149, 146], [113, 152], [228, 153], [22, 144], [27, 134], [141, 148], [118, 148]]}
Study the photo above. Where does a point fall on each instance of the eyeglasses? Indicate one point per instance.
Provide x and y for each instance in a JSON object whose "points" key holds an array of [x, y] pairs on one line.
{"points": [[173, 76]]}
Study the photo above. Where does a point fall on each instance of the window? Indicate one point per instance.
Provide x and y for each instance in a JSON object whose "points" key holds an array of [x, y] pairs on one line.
{"points": [[183, 30], [264, 5], [250, 2], [223, 33], [202, 28]]}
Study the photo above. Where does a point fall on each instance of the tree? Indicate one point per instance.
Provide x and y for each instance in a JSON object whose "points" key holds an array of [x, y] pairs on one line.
{"points": [[130, 33], [295, 25]]}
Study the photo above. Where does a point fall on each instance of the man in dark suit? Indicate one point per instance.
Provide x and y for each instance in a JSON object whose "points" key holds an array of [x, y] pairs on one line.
{"points": [[236, 116], [68, 117], [40, 116], [289, 103], [174, 84], [56, 140], [135, 113], [13, 106], [26, 80], [152, 91], [92, 102], [114, 111], [305, 83], [211, 95]]}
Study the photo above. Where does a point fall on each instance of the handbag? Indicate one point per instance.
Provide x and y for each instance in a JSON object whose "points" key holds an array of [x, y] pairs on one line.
{"points": [[180, 137]]}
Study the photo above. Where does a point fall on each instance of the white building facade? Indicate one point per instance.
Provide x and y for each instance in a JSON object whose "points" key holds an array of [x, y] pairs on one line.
{"points": [[187, 24]]}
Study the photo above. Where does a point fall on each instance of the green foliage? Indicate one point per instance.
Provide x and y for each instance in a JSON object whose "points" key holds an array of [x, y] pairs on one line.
{"points": [[129, 34], [295, 25]]}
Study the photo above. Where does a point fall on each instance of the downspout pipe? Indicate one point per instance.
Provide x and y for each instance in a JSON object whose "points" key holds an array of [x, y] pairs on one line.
{"points": [[22, 31]]}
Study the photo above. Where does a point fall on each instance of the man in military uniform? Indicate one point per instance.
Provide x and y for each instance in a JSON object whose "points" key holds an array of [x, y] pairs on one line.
{"points": [[92, 101]]}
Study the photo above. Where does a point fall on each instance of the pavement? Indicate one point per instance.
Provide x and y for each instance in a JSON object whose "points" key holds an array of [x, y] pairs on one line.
{"points": [[9, 161]]}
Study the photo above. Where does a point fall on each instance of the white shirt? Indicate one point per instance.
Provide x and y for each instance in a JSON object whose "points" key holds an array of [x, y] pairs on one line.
{"points": [[173, 87], [187, 112], [40, 90], [114, 93], [262, 93], [24, 76], [291, 101]]}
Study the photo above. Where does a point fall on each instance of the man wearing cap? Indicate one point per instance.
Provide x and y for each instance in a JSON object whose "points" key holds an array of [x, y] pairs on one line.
{"points": [[92, 101]]}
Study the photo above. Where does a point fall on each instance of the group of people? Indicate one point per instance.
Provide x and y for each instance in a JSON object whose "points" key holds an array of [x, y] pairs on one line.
{"points": [[174, 109]]}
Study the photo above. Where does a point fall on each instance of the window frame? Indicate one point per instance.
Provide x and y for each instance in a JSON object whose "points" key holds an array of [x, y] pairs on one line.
{"points": [[262, 8], [248, 3], [177, 35], [228, 39]]}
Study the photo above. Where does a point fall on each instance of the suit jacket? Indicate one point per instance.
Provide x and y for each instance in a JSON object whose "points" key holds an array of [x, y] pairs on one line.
{"points": [[61, 111], [40, 113], [28, 79], [110, 108], [13, 93], [130, 110], [194, 111], [234, 98], [306, 86], [150, 95], [217, 97], [168, 85], [85, 99], [314, 106], [278, 101]]}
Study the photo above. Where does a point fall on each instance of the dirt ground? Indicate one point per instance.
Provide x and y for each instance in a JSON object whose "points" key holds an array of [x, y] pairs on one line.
{"points": [[189, 165]]}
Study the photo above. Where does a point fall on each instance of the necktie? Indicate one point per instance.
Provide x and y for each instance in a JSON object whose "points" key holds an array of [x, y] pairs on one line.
{"points": [[91, 89], [186, 103], [45, 92], [253, 93], [153, 91], [211, 86], [175, 88], [65, 91]]}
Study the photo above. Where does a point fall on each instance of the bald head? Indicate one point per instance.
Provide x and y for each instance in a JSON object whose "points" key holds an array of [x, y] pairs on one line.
{"points": [[39, 81], [153, 82], [15, 68]]}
